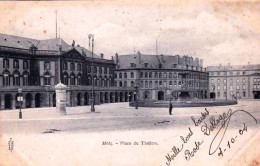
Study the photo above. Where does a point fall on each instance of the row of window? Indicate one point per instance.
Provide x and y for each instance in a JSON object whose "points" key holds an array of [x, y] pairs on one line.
{"points": [[72, 66], [218, 73], [146, 84], [101, 70], [256, 80], [237, 94], [256, 86], [15, 64], [16, 80], [231, 81], [231, 87], [163, 75], [174, 66]]}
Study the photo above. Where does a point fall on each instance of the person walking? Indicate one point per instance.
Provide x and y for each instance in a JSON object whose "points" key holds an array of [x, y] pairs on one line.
{"points": [[170, 108]]}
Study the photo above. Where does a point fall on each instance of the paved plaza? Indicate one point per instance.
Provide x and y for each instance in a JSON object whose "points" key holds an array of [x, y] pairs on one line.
{"points": [[143, 136]]}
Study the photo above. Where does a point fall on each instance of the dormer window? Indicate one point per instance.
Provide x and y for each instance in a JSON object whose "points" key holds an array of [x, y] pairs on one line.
{"points": [[160, 66], [133, 65], [174, 66], [146, 65]]}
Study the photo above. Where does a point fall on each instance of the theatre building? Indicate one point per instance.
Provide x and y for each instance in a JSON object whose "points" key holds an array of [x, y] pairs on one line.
{"points": [[162, 77], [36, 66], [234, 81]]}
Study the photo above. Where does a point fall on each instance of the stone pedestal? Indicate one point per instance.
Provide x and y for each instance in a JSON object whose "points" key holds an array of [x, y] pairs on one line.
{"points": [[61, 98]]}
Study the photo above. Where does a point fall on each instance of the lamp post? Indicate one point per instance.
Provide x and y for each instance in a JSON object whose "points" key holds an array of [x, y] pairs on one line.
{"points": [[91, 44], [20, 98], [136, 95]]}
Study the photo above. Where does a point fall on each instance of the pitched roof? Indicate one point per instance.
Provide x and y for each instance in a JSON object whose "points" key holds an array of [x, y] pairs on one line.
{"points": [[233, 67], [48, 44], [154, 61]]}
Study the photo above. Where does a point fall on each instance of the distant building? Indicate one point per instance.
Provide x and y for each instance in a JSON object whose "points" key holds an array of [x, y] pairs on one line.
{"points": [[37, 66], [234, 82], [162, 77]]}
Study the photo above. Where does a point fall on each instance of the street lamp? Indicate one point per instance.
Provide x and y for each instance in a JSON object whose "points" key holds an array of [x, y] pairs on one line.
{"points": [[91, 43], [136, 95], [20, 98]]}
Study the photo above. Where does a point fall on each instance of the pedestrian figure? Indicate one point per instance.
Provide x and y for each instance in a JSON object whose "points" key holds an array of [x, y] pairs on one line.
{"points": [[170, 108]]}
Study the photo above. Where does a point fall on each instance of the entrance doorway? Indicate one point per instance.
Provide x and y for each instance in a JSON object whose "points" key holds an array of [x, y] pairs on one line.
{"points": [[160, 95], [256, 94], [212, 95], [8, 101], [38, 100]]}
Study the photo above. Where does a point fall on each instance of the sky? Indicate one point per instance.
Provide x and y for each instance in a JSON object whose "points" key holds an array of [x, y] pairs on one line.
{"points": [[219, 32]]}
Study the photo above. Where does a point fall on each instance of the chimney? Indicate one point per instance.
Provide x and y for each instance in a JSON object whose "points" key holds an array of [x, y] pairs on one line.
{"points": [[116, 58], [139, 58], [102, 56]]}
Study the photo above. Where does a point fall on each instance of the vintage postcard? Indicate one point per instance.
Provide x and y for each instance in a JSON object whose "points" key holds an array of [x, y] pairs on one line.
{"points": [[130, 83]]}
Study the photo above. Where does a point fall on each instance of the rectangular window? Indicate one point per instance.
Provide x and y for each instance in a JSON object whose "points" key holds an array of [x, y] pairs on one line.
{"points": [[6, 63], [47, 80], [212, 81], [218, 94], [79, 67], [6, 80], [244, 86], [16, 64], [218, 81], [25, 64], [47, 66], [225, 87], [237, 87], [224, 81], [244, 80], [25, 80], [16, 80], [237, 80]]}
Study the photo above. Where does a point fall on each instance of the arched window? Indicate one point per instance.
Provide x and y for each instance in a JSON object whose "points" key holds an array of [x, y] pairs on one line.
{"points": [[170, 75], [150, 75], [47, 79], [125, 84], [79, 79], [156, 75], [170, 83], [146, 84], [160, 75], [160, 83], [16, 79], [141, 74], [72, 79], [65, 78], [142, 84], [6, 79], [105, 81], [120, 84], [105, 70], [146, 75], [94, 69], [120, 75], [150, 84], [132, 84], [164, 75], [100, 70], [95, 80], [156, 84], [25, 79], [125, 75], [132, 75]]}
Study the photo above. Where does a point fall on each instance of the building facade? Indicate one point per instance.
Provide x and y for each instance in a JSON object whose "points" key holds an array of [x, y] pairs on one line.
{"points": [[36, 66], [234, 82], [161, 77]]}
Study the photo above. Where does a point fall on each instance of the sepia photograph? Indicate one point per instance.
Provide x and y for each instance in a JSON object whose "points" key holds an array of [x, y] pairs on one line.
{"points": [[127, 83]]}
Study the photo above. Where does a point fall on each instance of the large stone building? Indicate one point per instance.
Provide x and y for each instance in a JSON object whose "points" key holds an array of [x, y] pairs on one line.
{"points": [[161, 77], [37, 66], [229, 82]]}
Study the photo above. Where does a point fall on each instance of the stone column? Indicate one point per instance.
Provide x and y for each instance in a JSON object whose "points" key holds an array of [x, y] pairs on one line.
{"points": [[2, 107], [24, 102], [61, 98], [33, 101], [14, 102]]}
